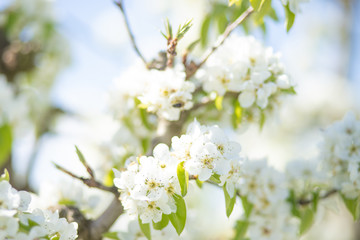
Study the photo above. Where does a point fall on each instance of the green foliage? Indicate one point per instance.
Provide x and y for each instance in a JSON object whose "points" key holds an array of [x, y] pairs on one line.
{"points": [[353, 205], [247, 206], [5, 143], [163, 223], [229, 201], [111, 235], [80, 155], [67, 202], [215, 178], [145, 228], [183, 29], [241, 229], [237, 114], [219, 102], [168, 30], [289, 18], [290, 90], [183, 177], [178, 219], [262, 119], [199, 183], [307, 219], [205, 30], [5, 176]]}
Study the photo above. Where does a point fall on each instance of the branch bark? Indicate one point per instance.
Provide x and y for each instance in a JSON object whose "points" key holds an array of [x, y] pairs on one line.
{"points": [[131, 35]]}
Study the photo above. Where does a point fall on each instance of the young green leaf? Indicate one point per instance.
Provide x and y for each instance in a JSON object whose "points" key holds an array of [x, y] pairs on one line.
{"points": [[199, 183], [183, 177], [290, 18], [353, 206], [80, 155], [111, 235], [5, 143], [237, 114], [293, 203], [5, 176], [236, 2], [229, 201], [219, 102], [247, 206], [316, 198], [205, 30], [145, 228], [163, 223], [262, 119], [256, 4], [183, 29], [178, 219], [215, 178], [307, 219], [240, 229]]}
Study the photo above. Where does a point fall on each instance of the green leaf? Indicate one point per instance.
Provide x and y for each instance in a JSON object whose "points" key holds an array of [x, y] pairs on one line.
{"points": [[222, 22], [262, 119], [264, 10], [293, 202], [247, 206], [256, 4], [67, 202], [183, 29], [192, 45], [290, 18], [111, 235], [178, 219], [80, 155], [215, 178], [5, 143], [240, 229], [307, 219], [205, 30], [229, 202], [163, 223], [5, 176], [145, 228], [353, 206], [236, 2], [183, 177], [315, 202], [290, 90], [199, 183], [219, 102], [237, 114]]}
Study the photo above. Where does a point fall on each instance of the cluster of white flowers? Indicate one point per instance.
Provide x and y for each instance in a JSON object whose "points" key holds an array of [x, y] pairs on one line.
{"points": [[243, 65], [148, 185], [207, 154], [165, 93], [265, 188], [205, 151], [340, 153], [18, 222], [294, 5], [12, 108], [304, 176]]}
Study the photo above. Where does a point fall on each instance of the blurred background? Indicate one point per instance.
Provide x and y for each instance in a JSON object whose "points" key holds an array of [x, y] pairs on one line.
{"points": [[64, 56]]}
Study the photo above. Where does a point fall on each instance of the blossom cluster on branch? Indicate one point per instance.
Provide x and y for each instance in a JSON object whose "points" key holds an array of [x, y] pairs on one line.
{"points": [[19, 222]]}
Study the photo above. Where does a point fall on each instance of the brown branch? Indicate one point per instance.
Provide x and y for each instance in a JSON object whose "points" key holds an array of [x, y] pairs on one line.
{"points": [[221, 40], [90, 182], [131, 35], [304, 202]]}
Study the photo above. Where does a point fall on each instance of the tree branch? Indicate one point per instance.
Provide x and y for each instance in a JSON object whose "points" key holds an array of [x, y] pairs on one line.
{"points": [[220, 41], [90, 182], [119, 3], [304, 202]]}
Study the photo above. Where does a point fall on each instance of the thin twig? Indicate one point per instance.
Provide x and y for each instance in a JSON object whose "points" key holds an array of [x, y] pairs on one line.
{"points": [[304, 202], [222, 39], [119, 3], [90, 182]]}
